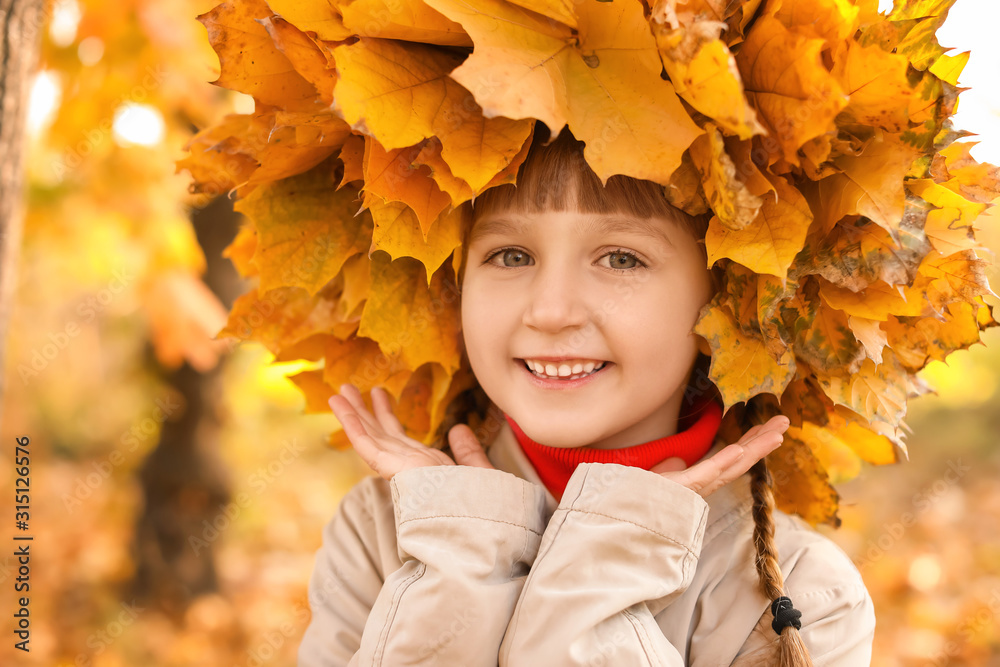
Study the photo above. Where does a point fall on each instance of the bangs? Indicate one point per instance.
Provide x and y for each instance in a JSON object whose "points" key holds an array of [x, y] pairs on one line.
{"points": [[557, 178]]}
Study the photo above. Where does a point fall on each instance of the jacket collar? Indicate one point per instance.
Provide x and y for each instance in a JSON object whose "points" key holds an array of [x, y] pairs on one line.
{"points": [[726, 507]]}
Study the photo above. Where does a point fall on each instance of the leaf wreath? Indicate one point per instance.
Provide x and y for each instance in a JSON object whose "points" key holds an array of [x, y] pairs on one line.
{"points": [[816, 134]]}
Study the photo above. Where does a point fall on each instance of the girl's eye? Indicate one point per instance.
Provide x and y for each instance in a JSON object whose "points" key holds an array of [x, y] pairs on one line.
{"points": [[511, 257], [622, 260]]}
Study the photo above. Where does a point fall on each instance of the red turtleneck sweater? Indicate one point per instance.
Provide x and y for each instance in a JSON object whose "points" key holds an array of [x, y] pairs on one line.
{"points": [[697, 426]]}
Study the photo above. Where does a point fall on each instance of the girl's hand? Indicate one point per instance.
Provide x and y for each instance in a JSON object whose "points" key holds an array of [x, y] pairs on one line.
{"points": [[385, 447], [713, 473]]}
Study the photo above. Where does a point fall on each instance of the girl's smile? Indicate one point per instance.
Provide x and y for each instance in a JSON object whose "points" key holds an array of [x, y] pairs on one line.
{"points": [[555, 373]]}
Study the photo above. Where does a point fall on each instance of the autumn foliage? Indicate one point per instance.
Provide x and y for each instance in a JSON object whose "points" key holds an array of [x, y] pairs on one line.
{"points": [[815, 134]]}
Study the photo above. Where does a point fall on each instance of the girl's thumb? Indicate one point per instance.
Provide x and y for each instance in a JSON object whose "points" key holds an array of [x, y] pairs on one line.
{"points": [[466, 448]]}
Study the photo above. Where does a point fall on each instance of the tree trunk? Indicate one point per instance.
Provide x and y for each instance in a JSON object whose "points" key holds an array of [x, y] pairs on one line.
{"points": [[20, 25], [184, 483]]}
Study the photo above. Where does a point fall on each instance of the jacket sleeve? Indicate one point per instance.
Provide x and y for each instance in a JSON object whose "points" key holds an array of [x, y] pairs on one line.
{"points": [[622, 544], [466, 538]]}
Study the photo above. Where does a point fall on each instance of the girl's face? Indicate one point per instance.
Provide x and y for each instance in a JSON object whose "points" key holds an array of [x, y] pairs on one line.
{"points": [[578, 326]]}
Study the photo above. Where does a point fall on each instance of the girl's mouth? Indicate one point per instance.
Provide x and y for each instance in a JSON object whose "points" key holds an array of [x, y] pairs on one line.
{"points": [[570, 369]]}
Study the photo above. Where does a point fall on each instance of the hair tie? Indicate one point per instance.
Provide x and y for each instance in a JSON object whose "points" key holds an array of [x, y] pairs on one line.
{"points": [[784, 615]]}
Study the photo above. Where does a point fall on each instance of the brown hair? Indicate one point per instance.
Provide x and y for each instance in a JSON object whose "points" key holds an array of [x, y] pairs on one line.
{"points": [[556, 176]]}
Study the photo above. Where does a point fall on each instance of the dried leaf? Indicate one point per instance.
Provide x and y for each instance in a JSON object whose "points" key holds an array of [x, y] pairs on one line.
{"points": [[604, 83], [741, 366], [306, 229]]}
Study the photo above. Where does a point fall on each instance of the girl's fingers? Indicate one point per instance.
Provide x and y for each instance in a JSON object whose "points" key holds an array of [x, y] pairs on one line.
{"points": [[353, 396], [366, 446], [733, 461], [384, 413], [466, 448], [673, 464]]}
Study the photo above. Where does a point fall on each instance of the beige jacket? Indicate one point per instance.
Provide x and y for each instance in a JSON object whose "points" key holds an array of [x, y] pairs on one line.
{"points": [[452, 565]]}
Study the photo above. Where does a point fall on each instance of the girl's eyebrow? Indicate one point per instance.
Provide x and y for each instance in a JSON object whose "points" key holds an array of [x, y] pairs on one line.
{"points": [[652, 228], [495, 226], [597, 223]]}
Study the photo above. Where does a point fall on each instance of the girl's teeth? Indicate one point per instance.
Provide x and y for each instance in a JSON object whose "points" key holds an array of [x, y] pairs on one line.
{"points": [[565, 371]]}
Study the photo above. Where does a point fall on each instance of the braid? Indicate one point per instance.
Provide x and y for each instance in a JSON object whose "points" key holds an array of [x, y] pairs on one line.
{"points": [[791, 651]]}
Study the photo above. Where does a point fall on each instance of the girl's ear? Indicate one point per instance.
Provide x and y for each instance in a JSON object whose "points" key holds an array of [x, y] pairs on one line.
{"points": [[704, 347]]}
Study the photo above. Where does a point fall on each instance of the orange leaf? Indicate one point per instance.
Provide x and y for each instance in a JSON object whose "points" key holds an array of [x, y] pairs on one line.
{"points": [[741, 366], [391, 176], [250, 61], [420, 323], [731, 201], [874, 391], [321, 18], [241, 251], [771, 241], [411, 21], [402, 93], [306, 230], [801, 485], [603, 81], [398, 233], [783, 75], [307, 58]]}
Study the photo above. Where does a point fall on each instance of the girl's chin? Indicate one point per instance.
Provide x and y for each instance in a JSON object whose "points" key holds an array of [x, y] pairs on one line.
{"points": [[563, 436]]}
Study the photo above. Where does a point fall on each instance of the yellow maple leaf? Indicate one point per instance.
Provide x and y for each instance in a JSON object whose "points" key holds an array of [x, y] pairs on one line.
{"points": [[875, 391], [949, 225], [857, 254], [316, 392], [402, 93], [949, 68], [870, 334], [876, 302], [250, 61], [352, 155], [391, 176], [322, 18], [281, 317], [837, 459], [306, 229], [741, 366], [295, 144], [830, 20], [871, 184], [398, 233], [771, 241], [604, 82], [801, 484], [919, 20], [730, 199], [360, 361], [411, 21], [408, 318], [917, 341], [306, 57], [217, 160], [878, 85], [784, 77], [241, 250], [824, 340], [704, 73]]}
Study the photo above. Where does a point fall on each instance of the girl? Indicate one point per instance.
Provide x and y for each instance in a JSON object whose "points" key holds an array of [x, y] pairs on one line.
{"points": [[604, 523]]}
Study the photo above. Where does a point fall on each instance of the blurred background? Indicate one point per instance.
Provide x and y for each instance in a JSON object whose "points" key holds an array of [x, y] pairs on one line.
{"points": [[179, 493]]}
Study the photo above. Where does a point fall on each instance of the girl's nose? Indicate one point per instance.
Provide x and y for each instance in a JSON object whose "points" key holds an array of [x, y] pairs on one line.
{"points": [[556, 301]]}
